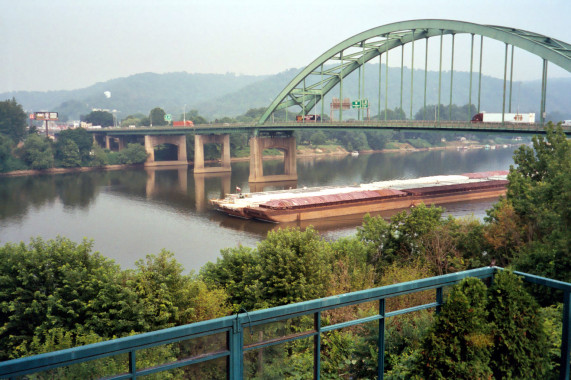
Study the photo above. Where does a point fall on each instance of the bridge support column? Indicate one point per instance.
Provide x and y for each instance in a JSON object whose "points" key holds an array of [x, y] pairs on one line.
{"points": [[199, 141], [285, 144], [152, 141]]}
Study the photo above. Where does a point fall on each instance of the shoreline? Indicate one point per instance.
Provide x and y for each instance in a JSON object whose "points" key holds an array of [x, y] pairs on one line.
{"points": [[306, 153]]}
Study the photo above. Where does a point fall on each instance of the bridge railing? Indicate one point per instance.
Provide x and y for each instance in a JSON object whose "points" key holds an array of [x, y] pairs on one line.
{"points": [[222, 348]]}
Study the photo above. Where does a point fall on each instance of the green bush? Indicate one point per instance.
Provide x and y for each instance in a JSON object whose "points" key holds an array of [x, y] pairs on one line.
{"points": [[458, 344], [520, 342]]}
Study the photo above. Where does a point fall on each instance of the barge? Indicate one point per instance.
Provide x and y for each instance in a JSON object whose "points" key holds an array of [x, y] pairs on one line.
{"points": [[297, 205]]}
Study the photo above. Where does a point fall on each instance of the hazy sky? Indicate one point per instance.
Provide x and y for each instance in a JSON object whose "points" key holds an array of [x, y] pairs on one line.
{"points": [[68, 44]]}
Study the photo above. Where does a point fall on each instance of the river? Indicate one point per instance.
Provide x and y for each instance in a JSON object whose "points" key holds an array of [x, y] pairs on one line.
{"points": [[131, 213]]}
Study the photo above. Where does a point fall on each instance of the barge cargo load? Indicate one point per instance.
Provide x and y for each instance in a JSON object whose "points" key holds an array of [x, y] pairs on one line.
{"points": [[327, 202]]}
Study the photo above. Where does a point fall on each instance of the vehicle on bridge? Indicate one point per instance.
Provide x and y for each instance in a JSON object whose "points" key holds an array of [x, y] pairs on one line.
{"points": [[185, 123], [306, 118], [488, 117]]}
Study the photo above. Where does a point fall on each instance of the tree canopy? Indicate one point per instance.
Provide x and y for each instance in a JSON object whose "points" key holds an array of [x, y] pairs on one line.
{"points": [[157, 117], [102, 118], [12, 120]]}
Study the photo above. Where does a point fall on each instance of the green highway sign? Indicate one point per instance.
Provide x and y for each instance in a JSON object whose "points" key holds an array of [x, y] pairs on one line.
{"points": [[361, 103], [168, 117]]}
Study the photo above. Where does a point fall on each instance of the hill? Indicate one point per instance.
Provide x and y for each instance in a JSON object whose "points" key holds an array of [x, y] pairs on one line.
{"points": [[219, 95]]}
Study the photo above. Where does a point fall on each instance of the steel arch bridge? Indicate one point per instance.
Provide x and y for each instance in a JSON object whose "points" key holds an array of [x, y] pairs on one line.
{"points": [[354, 52]]}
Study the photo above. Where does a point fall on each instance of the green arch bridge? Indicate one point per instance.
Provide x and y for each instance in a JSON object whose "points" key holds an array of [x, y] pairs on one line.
{"points": [[307, 91]]}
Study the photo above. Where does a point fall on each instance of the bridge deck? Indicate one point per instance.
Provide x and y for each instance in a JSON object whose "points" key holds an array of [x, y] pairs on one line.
{"points": [[407, 125]]}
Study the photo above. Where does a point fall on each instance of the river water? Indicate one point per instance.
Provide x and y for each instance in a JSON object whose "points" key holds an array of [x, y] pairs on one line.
{"points": [[131, 213]]}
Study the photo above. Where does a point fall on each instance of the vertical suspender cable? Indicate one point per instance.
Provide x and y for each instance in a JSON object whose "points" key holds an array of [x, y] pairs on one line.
{"points": [[511, 79], [380, 71], [505, 78], [341, 89], [440, 75], [471, 69], [412, 74], [386, 76], [322, 98], [543, 92], [480, 74], [401, 74], [451, 79], [425, 76]]}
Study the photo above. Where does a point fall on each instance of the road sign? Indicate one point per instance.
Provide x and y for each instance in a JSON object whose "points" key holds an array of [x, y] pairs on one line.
{"points": [[168, 117], [361, 103]]}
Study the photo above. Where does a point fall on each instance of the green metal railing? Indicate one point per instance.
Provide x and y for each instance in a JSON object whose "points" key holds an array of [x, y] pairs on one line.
{"points": [[223, 341]]}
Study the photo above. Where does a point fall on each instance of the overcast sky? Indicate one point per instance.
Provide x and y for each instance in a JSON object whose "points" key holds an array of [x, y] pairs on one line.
{"points": [[69, 44]]}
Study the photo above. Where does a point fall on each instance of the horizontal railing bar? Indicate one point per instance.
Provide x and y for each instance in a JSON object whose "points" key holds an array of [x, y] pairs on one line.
{"points": [[181, 363], [353, 322], [278, 313], [411, 309], [281, 340], [565, 286], [104, 349]]}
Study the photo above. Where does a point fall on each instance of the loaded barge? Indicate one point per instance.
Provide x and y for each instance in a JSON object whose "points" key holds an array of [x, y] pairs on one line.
{"points": [[296, 205]]}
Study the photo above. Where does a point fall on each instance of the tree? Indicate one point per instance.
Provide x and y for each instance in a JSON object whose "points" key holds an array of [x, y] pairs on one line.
{"points": [[540, 193], [457, 346], [157, 116], [99, 156], [102, 118], [12, 120], [236, 271], [82, 140], [6, 146], [294, 267], [195, 117], [37, 153], [318, 138], [69, 154], [133, 154], [170, 298], [60, 284], [519, 341]]}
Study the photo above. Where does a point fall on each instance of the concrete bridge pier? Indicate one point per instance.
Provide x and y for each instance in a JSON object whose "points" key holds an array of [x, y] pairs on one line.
{"points": [[286, 145], [152, 141], [199, 141]]}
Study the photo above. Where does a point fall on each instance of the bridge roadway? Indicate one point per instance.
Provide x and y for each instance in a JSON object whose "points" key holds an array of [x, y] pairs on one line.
{"points": [[405, 125]]}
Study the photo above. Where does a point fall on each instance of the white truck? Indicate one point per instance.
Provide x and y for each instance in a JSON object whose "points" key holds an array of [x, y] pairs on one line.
{"points": [[489, 117]]}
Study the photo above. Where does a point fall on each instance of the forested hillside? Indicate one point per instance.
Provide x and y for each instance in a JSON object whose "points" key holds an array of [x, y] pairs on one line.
{"points": [[219, 95]]}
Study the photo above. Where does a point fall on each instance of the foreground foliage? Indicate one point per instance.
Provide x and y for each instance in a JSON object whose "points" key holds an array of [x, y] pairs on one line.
{"points": [[57, 291]]}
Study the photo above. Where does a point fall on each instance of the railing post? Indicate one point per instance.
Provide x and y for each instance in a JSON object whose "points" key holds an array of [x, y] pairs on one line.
{"points": [[317, 345], [236, 343], [132, 364], [381, 341], [565, 338], [439, 299]]}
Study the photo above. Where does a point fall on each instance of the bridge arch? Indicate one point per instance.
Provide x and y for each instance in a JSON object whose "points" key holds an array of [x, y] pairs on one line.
{"points": [[374, 42]]}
